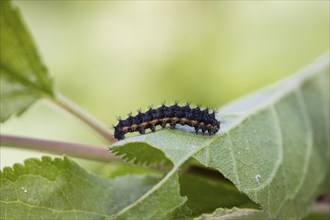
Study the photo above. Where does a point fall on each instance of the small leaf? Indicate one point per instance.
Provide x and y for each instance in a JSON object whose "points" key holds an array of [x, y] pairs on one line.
{"points": [[205, 195], [60, 189], [251, 214], [24, 78], [158, 203], [273, 144], [147, 156], [235, 213]]}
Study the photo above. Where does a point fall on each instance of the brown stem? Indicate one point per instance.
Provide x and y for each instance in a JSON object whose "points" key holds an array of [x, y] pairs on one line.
{"points": [[99, 153]]}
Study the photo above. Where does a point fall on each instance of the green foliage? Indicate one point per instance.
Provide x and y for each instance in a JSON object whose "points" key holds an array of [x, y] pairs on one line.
{"points": [[235, 213], [250, 214], [205, 195], [61, 189], [23, 76], [273, 145]]}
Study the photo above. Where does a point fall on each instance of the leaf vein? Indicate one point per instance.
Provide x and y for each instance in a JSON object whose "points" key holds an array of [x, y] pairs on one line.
{"points": [[231, 150]]}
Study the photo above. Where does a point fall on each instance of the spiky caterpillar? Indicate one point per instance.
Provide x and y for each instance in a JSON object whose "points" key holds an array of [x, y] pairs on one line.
{"points": [[184, 115]]}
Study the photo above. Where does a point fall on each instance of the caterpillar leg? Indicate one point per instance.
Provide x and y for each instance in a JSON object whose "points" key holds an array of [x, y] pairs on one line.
{"points": [[196, 129], [142, 130], [172, 125], [152, 128]]}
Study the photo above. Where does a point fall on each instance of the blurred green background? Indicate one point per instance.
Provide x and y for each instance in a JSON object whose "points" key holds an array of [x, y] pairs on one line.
{"points": [[114, 57]]}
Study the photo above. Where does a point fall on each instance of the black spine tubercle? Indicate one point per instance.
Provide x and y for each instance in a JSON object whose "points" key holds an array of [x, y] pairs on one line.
{"points": [[200, 119]]}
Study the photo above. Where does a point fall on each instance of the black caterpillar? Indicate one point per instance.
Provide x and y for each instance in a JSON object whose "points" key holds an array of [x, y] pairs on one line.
{"points": [[175, 114]]}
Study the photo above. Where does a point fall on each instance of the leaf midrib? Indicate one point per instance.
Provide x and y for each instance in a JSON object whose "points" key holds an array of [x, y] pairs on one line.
{"points": [[57, 211], [310, 138]]}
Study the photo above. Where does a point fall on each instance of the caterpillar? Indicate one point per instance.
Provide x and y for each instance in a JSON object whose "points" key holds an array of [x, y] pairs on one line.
{"points": [[184, 115]]}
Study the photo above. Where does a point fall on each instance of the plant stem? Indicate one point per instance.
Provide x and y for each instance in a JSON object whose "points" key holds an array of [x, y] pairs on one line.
{"points": [[92, 122], [75, 150]]}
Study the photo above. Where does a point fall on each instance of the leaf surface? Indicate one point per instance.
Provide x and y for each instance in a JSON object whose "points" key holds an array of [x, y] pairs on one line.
{"points": [[273, 144], [60, 189], [234, 213], [205, 194], [24, 78]]}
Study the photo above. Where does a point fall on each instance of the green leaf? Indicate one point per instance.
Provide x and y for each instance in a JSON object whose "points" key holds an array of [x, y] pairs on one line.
{"points": [[60, 189], [116, 169], [24, 78], [158, 203], [207, 194], [235, 213], [252, 214], [273, 144]]}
